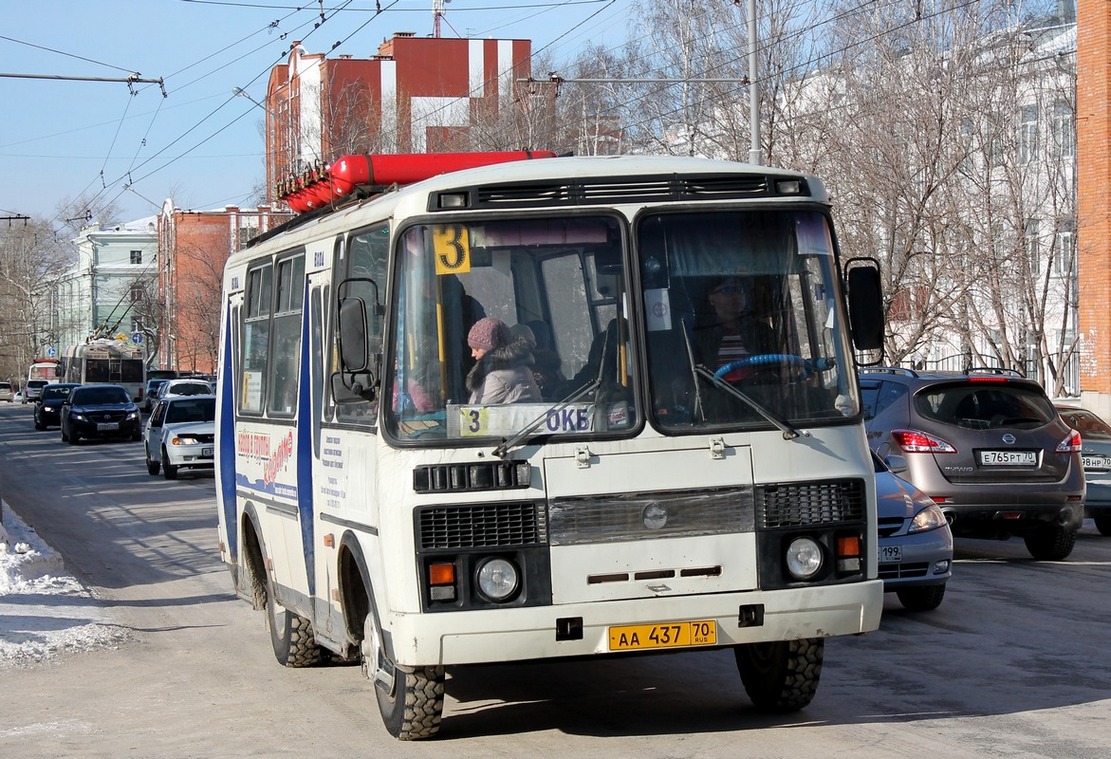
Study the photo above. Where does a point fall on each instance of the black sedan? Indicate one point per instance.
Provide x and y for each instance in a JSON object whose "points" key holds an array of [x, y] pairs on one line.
{"points": [[48, 407], [100, 411]]}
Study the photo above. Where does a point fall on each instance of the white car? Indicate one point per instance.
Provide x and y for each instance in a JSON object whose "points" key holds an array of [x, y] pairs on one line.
{"points": [[187, 446], [168, 450]]}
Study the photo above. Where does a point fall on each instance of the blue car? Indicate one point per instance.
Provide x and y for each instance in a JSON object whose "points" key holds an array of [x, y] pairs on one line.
{"points": [[915, 543], [1095, 455]]}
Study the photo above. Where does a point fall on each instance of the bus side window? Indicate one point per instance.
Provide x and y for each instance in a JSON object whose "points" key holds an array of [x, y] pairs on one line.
{"points": [[285, 357], [256, 339]]}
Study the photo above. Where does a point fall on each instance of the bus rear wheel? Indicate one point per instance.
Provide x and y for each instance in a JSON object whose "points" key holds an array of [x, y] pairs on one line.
{"points": [[781, 676], [410, 700], [290, 634]]}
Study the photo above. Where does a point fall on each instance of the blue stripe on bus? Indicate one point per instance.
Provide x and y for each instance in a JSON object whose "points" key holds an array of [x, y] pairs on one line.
{"points": [[305, 420], [226, 447]]}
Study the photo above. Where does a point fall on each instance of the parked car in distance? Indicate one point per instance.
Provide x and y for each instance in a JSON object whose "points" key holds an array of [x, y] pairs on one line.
{"points": [[6, 391], [915, 542], [192, 450], [987, 446], [150, 393], [48, 408], [1095, 455], [100, 411], [32, 391]]}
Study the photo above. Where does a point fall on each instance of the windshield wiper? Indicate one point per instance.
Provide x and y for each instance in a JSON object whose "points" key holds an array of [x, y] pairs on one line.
{"points": [[789, 432], [517, 438]]}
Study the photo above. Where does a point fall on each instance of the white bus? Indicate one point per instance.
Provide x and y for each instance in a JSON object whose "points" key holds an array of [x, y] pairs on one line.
{"points": [[106, 360], [651, 499]]}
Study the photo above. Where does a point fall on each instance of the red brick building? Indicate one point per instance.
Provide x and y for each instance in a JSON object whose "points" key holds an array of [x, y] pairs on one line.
{"points": [[1093, 111], [192, 249], [416, 95]]}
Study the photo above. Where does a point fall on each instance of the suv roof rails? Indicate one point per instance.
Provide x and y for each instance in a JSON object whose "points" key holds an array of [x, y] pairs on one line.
{"points": [[889, 370], [994, 370]]}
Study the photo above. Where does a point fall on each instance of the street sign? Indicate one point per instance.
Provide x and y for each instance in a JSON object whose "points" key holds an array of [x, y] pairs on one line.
{"points": [[137, 338], [51, 352]]}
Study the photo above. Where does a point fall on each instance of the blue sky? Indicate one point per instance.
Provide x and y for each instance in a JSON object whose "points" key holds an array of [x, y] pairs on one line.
{"points": [[200, 144]]}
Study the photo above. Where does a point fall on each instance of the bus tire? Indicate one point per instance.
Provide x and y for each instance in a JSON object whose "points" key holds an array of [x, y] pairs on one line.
{"points": [[290, 634], [410, 700], [781, 676]]}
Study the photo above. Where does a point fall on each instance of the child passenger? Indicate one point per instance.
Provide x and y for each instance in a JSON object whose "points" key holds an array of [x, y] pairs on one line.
{"points": [[503, 369]]}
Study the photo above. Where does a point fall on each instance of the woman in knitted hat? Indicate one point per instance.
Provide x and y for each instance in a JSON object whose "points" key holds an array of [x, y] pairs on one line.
{"points": [[502, 372]]}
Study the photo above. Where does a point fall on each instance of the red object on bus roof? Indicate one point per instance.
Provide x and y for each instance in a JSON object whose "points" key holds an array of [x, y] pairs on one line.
{"points": [[316, 188]]}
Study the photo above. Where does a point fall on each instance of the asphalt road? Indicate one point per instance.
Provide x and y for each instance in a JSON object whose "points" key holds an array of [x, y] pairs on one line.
{"points": [[1013, 664]]}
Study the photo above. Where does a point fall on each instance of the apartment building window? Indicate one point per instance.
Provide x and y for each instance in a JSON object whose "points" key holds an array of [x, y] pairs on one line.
{"points": [[1033, 245], [1027, 133], [1064, 252], [136, 256], [137, 292], [1064, 136]]}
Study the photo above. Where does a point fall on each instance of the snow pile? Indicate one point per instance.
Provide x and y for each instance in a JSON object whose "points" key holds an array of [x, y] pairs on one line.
{"points": [[43, 610]]}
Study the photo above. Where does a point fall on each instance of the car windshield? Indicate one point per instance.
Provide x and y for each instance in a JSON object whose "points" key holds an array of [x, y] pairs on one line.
{"points": [[191, 410], [189, 388], [99, 396], [976, 405], [54, 393]]}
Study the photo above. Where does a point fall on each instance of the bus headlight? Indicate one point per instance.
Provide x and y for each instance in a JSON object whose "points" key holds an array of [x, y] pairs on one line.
{"points": [[804, 558], [498, 579]]}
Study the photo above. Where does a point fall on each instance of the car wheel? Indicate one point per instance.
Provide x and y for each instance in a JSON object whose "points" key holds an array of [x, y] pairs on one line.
{"points": [[169, 471], [152, 467], [921, 599], [411, 701], [1051, 544], [73, 438], [781, 676], [1103, 524], [290, 634], [39, 425]]}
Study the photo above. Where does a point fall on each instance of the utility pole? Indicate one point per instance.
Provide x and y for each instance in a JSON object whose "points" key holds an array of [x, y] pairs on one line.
{"points": [[754, 156]]}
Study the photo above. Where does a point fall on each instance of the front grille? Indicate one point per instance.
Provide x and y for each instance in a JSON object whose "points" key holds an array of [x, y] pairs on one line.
{"points": [[491, 525], [888, 527], [799, 504], [645, 516], [638, 189], [204, 438], [898, 571]]}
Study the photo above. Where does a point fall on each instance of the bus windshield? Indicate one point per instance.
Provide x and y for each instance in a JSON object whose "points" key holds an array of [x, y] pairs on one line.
{"points": [[535, 324]]}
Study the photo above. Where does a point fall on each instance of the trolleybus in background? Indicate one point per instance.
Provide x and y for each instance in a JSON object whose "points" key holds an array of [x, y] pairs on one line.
{"points": [[106, 360], [649, 500], [43, 369]]}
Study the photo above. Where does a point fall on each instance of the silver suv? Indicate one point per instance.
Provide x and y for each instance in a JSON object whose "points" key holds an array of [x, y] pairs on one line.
{"points": [[987, 446]]}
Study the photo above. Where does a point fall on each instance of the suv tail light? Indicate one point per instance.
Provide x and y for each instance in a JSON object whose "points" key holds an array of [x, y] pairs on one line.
{"points": [[1071, 444], [912, 441]]}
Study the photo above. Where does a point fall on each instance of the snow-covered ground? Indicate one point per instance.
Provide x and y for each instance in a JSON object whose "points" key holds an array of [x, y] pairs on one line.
{"points": [[43, 610]]}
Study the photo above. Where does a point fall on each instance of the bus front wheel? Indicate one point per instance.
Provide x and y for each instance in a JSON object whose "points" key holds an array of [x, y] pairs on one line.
{"points": [[290, 634], [781, 676], [410, 700]]}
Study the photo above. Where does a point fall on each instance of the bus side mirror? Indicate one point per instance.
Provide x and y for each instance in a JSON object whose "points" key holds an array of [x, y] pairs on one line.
{"points": [[356, 380], [865, 296]]}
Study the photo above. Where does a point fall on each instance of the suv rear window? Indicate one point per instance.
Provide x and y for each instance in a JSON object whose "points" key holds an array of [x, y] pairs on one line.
{"points": [[979, 407]]}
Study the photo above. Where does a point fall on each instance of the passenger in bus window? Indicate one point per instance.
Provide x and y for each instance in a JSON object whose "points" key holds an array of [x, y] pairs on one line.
{"points": [[503, 365], [729, 330]]}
